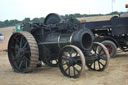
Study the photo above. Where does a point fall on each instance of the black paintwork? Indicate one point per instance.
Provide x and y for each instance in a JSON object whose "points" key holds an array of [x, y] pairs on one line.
{"points": [[57, 32], [115, 29]]}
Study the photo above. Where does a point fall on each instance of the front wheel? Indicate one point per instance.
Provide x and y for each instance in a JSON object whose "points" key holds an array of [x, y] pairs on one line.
{"points": [[71, 61]]}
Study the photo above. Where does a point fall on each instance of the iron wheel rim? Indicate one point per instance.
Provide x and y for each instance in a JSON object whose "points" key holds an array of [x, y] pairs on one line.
{"points": [[102, 60], [76, 61]]}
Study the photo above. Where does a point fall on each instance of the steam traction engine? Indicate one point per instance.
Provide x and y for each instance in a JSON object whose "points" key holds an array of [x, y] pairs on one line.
{"points": [[57, 41], [113, 33]]}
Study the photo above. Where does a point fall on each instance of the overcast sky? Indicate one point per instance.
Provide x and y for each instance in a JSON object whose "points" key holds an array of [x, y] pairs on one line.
{"points": [[19, 9]]}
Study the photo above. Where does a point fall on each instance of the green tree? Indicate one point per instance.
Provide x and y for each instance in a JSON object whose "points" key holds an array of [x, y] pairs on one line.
{"points": [[26, 20]]}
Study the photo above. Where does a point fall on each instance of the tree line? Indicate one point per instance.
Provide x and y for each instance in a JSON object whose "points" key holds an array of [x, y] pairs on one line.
{"points": [[7, 23]]}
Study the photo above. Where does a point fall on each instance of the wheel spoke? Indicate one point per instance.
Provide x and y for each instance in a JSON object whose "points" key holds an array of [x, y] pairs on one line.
{"points": [[69, 71], [79, 64], [49, 58], [100, 50], [76, 54], [27, 52], [94, 64], [26, 64], [103, 58], [94, 49], [21, 43], [64, 57], [101, 54], [16, 46], [25, 45], [76, 59], [19, 57], [70, 52], [16, 65], [26, 49], [16, 40], [21, 62], [99, 64], [76, 69], [65, 54], [15, 58], [64, 64], [90, 64], [27, 59], [67, 68]]}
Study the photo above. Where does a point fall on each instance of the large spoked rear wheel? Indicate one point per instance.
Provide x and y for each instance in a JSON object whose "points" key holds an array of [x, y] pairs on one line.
{"points": [[100, 57], [71, 61], [23, 52]]}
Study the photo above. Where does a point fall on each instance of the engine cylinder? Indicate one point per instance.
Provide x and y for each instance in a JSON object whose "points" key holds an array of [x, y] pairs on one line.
{"points": [[81, 38]]}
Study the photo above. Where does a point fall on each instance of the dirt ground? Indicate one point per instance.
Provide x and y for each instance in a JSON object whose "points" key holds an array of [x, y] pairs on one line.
{"points": [[115, 74], [7, 33]]}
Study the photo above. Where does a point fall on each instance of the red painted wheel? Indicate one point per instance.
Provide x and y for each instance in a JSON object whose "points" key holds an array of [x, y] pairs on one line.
{"points": [[110, 48], [110, 45]]}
